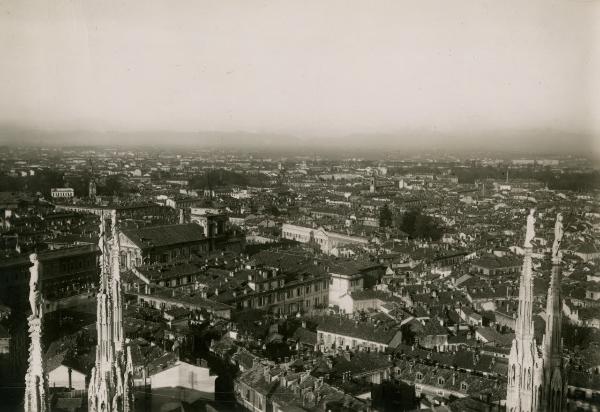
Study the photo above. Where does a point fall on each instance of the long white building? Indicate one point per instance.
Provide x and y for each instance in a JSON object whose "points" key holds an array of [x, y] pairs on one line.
{"points": [[328, 241]]}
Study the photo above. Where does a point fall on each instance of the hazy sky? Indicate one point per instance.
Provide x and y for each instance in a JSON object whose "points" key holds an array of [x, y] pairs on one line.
{"points": [[317, 67]]}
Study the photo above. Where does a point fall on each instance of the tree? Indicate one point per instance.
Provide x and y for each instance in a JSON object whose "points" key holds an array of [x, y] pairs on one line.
{"points": [[392, 396], [421, 226], [408, 221], [385, 216]]}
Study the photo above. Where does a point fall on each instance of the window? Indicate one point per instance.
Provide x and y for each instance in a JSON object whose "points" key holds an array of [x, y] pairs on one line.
{"points": [[441, 381], [419, 376], [463, 386]]}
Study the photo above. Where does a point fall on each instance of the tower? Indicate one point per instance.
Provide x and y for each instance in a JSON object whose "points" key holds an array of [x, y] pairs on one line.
{"points": [[111, 382], [92, 184], [36, 381], [372, 187], [536, 379]]}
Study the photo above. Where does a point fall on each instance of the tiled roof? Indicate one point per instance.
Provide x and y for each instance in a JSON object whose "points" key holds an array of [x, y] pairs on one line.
{"points": [[360, 363], [361, 330], [158, 236], [450, 379]]}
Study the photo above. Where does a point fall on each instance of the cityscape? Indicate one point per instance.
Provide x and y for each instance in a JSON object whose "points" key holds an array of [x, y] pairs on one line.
{"points": [[153, 280], [300, 206]]}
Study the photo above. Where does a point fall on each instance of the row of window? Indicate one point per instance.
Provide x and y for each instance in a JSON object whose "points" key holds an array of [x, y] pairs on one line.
{"points": [[268, 300], [346, 342], [441, 381]]}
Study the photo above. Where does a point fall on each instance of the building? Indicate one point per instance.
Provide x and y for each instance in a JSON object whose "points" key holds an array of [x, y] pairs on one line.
{"points": [[134, 211], [190, 381], [494, 265], [66, 272], [327, 241], [285, 293], [268, 388], [341, 332], [342, 282], [4, 341], [164, 299], [161, 244], [62, 193]]}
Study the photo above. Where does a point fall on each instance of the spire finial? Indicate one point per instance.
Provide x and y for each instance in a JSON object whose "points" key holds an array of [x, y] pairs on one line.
{"points": [[558, 235], [530, 231]]}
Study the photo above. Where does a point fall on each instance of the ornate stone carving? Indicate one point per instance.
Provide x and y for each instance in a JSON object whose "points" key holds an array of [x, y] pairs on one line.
{"points": [[530, 231]]}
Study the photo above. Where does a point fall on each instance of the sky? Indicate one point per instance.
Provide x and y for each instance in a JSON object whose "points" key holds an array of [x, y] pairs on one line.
{"points": [[316, 68]]}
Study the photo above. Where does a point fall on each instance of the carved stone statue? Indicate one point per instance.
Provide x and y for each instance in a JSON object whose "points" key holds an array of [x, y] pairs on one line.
{"points": [[558, 235], [34, 293], [530, 232]]}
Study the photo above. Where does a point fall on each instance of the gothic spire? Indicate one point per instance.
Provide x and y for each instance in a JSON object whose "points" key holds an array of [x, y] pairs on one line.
{"points": [[111, 383], [554, 375]]}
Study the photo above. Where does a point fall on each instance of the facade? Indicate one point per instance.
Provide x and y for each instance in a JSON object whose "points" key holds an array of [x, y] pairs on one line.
{"points": [[194, 380], [267, 388], [65, 272], [336, 331], [493, 265], [212, 223], [136, 211], [341, 285], [327, 241], [165, 300], [536, 379], [62, 193], [285, 294]]}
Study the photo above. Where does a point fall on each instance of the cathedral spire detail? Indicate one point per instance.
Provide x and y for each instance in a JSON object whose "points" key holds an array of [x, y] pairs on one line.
{"points": [[536, 378], [111, 383]]}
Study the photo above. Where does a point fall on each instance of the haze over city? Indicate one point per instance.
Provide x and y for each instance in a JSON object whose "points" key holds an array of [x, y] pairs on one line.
{"points": [[398, 73]]}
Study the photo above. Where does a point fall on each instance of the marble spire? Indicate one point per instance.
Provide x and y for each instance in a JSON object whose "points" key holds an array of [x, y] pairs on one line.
{"points": [[111, 383], [523, 360], [554, 383], [36, 381], [536, 378]]}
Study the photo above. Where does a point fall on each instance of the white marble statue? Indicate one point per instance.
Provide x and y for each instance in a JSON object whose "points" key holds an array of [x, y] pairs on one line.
{"points": [[558, 235], [530, 231], [34, 292]]}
